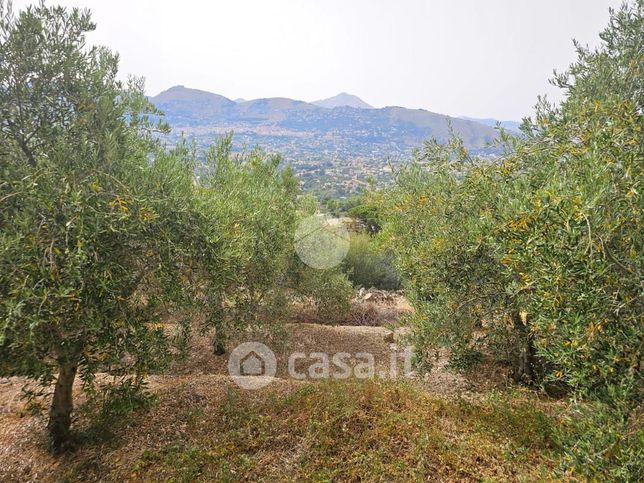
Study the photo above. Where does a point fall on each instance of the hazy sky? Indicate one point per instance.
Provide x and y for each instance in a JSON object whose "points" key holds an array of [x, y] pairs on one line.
{"points": [[481, 58]]}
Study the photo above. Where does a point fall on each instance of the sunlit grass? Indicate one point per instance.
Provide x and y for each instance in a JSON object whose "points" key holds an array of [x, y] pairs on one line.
{"points": [[359, 430]]}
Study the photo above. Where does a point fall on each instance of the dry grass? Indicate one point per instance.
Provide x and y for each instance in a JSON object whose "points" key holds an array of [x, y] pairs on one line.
{"points": [[342, 431], [368, 308], [203, 427], [306, 338]]}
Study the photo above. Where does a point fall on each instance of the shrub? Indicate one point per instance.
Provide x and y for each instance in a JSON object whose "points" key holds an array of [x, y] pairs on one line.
{"points": [[330, 290], [538, 256], [367, 266], [108, 406], [602, 443], [541, 251]]}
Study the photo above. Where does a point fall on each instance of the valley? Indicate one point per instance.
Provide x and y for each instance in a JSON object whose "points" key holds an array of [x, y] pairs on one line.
{"points": [[334, 151]]}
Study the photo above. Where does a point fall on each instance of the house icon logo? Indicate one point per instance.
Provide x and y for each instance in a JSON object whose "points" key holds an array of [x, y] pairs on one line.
{"points": [[252, 365]]}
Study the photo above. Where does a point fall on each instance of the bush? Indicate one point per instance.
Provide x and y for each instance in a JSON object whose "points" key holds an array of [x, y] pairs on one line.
{"points": [[330, 290], [538, 256], [542, 251], [109, 405], [367, 266], [602, 443]]}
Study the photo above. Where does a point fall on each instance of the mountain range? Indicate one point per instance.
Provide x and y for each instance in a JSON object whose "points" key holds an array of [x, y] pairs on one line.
{"points": [[333, 144]]}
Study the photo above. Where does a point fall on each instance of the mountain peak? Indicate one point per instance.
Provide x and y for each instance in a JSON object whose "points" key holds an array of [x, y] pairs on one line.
{"points": [[183, 93], [343, 99]]}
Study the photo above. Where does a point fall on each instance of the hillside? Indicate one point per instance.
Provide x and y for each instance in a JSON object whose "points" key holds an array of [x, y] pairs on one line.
{"points": [[334, 148]]}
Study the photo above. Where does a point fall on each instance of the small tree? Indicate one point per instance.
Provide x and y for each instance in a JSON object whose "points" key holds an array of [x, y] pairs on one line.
{"points": [[542, 248], [439, 218], [572, 229], [246, 205], [87, 247]]}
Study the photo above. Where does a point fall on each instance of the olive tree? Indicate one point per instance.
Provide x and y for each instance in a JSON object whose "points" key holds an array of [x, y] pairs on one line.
{"points": [[572, 229], [88, 213], [246, 204], [439, 218], [538, 255]]}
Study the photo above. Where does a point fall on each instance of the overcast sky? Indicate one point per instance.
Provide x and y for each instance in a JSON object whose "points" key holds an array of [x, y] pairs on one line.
{"points": [[480, 58]]}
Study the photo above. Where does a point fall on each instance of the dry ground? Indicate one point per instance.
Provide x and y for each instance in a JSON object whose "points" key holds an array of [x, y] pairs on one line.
{"points": [[191, 416]]}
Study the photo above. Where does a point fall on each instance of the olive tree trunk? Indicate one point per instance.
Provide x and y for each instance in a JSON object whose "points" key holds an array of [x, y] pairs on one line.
{"points": [[219, 343], [60, 413], [525, 368]]}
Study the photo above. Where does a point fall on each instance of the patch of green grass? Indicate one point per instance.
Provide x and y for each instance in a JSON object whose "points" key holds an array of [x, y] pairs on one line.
{"points": [[368, 430], [187, 462]]}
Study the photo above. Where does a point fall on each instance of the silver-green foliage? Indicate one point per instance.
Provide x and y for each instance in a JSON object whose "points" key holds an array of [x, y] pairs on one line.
{"points": [[86, 249], [103, 230], [537, 258]]}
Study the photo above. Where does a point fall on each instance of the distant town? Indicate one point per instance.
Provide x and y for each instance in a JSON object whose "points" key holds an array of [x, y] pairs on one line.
{"points": [[335, 146]]}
